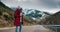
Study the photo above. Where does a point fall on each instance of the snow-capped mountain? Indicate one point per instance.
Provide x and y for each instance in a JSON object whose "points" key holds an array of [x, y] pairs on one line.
{"points": [[32, 13]]}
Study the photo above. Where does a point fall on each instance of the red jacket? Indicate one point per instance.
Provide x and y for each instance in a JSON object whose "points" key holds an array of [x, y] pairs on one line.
{"points": [[17, 17]]}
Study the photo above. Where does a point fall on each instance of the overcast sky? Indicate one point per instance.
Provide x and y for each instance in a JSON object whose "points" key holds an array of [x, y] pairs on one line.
{"points": [[51, 6]]}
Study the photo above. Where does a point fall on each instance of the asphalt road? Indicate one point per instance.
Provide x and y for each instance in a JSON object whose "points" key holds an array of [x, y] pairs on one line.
{"points": [[34, 28]]}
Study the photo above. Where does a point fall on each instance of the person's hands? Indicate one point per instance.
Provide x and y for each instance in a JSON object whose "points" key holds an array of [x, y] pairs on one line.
{"points": [[20, 14]]}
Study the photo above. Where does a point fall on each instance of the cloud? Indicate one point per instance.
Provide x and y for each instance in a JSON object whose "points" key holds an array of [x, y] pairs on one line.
{"points": [[44, 5], [19, 0], [40, 3]]}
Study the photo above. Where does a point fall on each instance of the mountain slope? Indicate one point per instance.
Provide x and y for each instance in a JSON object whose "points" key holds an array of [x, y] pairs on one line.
{"points": [[6, 15], [3, 5], [52, 20]]}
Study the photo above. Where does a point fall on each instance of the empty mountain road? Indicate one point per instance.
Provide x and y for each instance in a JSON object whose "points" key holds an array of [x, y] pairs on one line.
{"points": [[34, 28]]}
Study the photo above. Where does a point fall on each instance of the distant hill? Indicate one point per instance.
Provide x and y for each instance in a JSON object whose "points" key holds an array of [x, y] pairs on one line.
{"points": [[52, 20]]}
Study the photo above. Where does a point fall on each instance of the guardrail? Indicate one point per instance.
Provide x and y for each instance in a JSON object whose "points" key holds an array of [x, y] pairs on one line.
{"points": [[55, 28]]}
